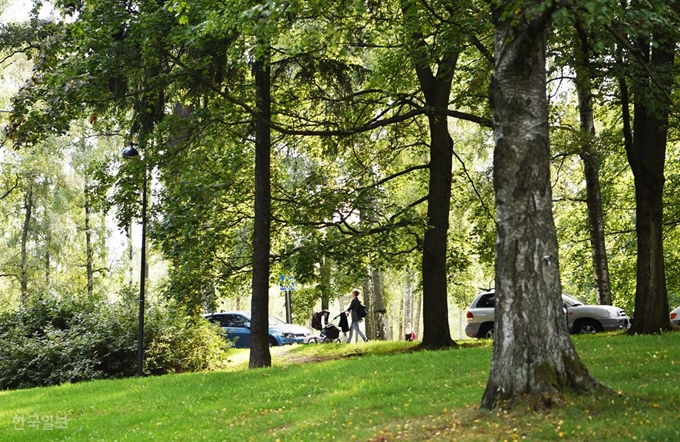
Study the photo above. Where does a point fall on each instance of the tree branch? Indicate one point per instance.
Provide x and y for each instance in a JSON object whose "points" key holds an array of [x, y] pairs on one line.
{"points": [[373, 124], [479, 196], [13, 188]]}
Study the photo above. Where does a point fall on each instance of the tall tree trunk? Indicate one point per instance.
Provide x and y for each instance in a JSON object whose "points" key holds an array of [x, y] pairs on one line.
{"points": [[418, 300], [260, 356], [28, 214], [591, 170], [532, 361], [646, 152], [408, 302], [325, 276], [436, 331], [47, 269], [367, 286], [436, 88], [209, 297], [378, 312], [88, 246], [596, 227]]}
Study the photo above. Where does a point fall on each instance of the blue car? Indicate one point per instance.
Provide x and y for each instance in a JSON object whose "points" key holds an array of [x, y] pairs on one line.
{"points": [[236, 327]]}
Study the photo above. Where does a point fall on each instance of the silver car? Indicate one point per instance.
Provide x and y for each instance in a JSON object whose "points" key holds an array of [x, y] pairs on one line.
{"points": [[581, 318]]}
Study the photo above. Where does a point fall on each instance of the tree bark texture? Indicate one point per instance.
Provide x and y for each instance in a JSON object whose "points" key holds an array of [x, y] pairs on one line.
{"points": [[596, 228], [89, 253], [436, 88], [367, 300], [378, 311], [646, 152], [408, 302], [533, 357], [260, 356], [48, 264], [28, 216], [591, 170], [325, 275], [436, 330]]}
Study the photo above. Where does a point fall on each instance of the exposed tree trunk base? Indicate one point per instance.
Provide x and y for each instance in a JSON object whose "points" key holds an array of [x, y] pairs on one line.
{"points": [[534, 362], [438, 346], [643, 330], [547, 389]]}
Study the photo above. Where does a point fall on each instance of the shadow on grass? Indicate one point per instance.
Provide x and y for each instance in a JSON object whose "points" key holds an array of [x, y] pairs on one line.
{"points": [[302, 354]]}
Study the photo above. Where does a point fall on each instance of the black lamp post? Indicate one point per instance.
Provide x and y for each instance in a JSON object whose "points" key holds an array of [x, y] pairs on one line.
{"points": [[131, 152]]}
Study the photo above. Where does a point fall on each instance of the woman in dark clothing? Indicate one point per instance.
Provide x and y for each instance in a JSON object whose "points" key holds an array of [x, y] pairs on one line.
{"points": [[356, 320]]}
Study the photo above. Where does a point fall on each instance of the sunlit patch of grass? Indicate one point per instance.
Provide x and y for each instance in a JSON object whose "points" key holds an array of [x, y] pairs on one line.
{"points": [[379, 391]]}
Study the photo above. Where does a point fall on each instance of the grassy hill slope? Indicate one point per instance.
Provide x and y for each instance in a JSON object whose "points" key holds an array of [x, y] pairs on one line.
{"points": [[379, 391]]}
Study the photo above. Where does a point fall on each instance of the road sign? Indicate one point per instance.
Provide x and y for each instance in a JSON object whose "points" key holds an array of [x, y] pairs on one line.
{"points": [[286, 282]]}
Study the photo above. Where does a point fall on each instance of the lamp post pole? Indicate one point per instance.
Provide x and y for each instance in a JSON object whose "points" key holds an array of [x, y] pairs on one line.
{"points": [[142, 285], [129, 153]]}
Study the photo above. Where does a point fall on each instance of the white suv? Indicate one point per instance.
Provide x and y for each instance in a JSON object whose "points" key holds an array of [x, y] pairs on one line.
{"points": [[581, 318], [675, 317]]}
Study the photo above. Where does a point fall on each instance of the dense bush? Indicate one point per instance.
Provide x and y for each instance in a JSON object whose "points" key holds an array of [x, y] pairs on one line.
{"points": [[49, 342], [176, 346]]}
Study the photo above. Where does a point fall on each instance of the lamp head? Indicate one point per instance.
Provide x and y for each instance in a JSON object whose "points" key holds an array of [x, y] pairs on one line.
{"points": [[130, 152]]}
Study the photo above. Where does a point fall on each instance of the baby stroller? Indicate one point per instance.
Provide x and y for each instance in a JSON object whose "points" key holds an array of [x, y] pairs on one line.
{"points": [[329, 332]]}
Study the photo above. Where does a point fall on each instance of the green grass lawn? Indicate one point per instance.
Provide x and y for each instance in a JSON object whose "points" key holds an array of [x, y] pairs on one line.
{"points": [[379, 391]]}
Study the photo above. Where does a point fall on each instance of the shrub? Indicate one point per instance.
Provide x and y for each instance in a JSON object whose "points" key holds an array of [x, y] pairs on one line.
{"points": [[178, 344], [50, 342]]}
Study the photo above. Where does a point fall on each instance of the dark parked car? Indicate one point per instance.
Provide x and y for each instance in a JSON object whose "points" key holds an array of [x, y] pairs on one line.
{"points": [[581, 318], [236, 327]]}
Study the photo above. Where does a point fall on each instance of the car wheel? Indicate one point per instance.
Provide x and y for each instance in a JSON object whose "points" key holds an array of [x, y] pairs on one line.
{"points": [[272, 342], [588, 326], [486, 331]]}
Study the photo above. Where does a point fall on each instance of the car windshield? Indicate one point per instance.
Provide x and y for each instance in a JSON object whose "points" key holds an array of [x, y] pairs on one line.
{"points": [[275, 321], [571, 302], [272, 320]]}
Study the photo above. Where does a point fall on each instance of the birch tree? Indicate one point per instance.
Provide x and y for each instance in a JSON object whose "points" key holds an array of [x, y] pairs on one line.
{"points": [[532, 360]]}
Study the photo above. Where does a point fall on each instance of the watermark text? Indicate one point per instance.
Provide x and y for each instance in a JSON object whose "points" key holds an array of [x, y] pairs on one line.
{"points": [[44, 422]]}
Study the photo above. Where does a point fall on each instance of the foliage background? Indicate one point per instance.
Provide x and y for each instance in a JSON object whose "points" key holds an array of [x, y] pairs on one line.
{"points": [[53, 341]]}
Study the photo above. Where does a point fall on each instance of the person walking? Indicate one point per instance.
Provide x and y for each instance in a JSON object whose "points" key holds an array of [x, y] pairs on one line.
{"points": [[356, 320]]}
